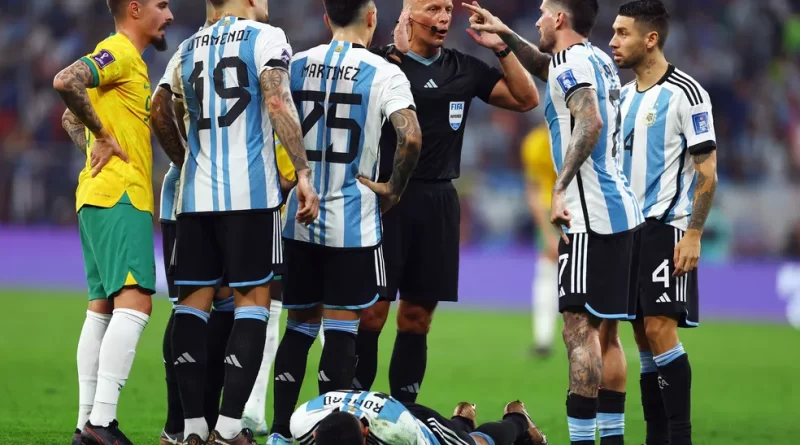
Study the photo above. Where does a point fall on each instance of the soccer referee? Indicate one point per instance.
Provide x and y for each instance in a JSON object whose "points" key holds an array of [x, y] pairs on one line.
{"points": [[421, 233]]}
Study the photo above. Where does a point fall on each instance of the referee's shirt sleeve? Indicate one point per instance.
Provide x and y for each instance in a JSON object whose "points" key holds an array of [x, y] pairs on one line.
{"points": [[396, 92], [574, 74], [697, 122], [272, 50], [484, 77]]}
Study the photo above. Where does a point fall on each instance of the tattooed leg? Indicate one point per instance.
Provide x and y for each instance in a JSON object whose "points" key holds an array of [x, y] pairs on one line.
{"points": [[582, 338]]}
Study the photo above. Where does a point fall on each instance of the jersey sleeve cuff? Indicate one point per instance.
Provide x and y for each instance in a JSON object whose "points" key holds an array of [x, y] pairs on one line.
{"points": [[575, 88], [703, 148], [397, 106], [277, 63], [93, 69]]}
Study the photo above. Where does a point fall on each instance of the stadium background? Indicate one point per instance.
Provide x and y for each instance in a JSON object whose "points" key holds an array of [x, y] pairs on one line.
{"points": [[746, 359]]}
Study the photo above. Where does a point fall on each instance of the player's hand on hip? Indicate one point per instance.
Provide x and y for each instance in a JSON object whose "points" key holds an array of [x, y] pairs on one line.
{"points": [[559, 215], [401, 40], [384, 190], [687, 253], [103, 149], [308, 210], [483, 21]]}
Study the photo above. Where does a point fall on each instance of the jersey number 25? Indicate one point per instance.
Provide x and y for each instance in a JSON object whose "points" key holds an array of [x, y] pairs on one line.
{"points": [[331, 121]]}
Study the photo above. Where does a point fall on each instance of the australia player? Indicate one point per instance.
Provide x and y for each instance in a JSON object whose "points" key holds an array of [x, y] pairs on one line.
{"points": [[363, 417], [593, 201], [670, 158], [335, 266], [108, 93]]}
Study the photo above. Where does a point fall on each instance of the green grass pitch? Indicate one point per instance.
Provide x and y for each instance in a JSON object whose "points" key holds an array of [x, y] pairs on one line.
{"points": [[746, 388]]}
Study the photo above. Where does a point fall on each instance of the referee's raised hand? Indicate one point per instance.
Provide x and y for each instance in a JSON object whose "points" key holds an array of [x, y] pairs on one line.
{"points": [[383, 189], [401, 40], [483, 21]]}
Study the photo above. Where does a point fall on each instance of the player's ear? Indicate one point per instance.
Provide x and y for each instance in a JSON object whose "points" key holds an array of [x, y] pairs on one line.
{"points": [[652, 39], [135, 9], [327, 22]]}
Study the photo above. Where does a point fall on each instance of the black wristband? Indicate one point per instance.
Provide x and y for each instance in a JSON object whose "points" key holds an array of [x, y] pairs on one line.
{"points": [[503, 53]]}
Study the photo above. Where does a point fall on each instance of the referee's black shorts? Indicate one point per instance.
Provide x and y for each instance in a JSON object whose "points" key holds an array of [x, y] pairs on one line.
{"points": [[421, 243]]}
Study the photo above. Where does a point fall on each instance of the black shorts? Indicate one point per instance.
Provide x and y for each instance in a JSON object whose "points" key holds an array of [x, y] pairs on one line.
{"points": [[661, 294], [169, 231], [421, 243], [445, 430], [599, 274], [337, 278], [240, 249]]}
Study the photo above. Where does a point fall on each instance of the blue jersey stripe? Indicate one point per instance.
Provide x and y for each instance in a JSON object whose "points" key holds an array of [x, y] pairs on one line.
{"points": [[318, 166], [226, 175], [630, 122], [212, 105], [326, 165], [255, 133], [352, 204], [656, 135], [551, 115], [193, 108], [617, 214]]}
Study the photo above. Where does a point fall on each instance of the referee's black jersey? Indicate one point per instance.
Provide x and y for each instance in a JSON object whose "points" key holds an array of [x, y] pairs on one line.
{"points": [[443, 91]]}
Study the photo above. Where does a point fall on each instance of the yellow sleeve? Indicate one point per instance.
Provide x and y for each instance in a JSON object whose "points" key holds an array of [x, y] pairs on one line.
{"points": [[285, 165], [110, 62]]}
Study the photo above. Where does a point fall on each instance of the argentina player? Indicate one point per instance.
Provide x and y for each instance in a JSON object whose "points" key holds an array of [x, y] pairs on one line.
{"points": [[363, 417], [670, 158], [593, 200], [233, 80], [335, 267]]}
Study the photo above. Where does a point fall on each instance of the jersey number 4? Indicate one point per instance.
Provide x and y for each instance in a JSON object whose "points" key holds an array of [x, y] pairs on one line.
{"points": [[238, 92], [331, 121]]}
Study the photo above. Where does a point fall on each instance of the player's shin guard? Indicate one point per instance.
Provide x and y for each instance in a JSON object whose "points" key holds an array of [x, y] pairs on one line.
{"points": [[337, 365], [190, 357], [367, 353], [513, 427], [116, 359], [611, 417], [290, 368], [675, 380], [582, 419], [407, 368], [242, 360], [655, 416], [94, 328], [174, 422], [220, 324]]}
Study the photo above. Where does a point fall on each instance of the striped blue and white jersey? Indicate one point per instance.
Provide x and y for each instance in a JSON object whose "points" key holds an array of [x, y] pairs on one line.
{"points": [[599, 198], [662, 128], [344, 93], [388, 420], [230, 164], [171, 185]]}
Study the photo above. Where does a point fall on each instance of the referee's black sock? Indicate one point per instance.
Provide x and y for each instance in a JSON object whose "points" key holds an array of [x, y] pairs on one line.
{"points": [[189, 354], [174, 423], [654, 414], [290, 368], [337, 365], [219, 331], [676, 388], [513, 427], [611, 417], [367, 353], [407, 368]]}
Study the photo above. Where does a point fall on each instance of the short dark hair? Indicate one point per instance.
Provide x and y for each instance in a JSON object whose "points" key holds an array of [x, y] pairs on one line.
{"points": [[117, 7], [344, 12], [650, 13], [340, 428], [583, 14]]}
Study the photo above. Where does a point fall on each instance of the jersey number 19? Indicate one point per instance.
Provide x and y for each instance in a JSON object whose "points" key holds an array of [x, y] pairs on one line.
{"points": [[238, 92]]}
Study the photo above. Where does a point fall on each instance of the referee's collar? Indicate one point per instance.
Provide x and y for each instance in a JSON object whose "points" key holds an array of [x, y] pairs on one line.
{"points": [[425, 61]]}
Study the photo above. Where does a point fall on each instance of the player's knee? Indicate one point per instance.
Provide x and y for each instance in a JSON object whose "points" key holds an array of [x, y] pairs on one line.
{"points": [[223, 293], [374, 317], [311, 315], [660, 328], [134, 298], [104, 306], [640, 336], [414, 317], [579, 327], [609, 335]]}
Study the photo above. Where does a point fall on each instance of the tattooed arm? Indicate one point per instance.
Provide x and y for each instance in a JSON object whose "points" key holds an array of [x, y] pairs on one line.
{"points": [[586, 132], [535, 61], [284, 118], [706, 166], [71, 84], [75, 129], [165, 126], [409, 143]]}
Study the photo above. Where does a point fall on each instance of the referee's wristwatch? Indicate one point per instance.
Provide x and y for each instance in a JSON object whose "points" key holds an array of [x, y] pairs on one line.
{"points": [[503, 53]]}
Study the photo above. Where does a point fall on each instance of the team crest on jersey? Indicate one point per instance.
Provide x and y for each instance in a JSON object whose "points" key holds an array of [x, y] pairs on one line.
{"points": [[456, 114], [567, 80], [103, 58], [700, 121], [650, 117]]}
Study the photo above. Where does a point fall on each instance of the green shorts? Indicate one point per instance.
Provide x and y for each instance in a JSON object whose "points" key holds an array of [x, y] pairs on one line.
{"points": [[117, 245]]}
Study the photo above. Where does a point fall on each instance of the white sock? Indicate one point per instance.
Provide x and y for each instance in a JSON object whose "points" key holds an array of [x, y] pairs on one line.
{"points": [[116, 359], [321, 337], [228, 428], [256, 404], [94, 327], [195, 426], [545, 302]]}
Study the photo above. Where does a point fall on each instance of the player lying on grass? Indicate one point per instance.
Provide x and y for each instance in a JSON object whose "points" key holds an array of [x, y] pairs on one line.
{"points": [[362, 417]]}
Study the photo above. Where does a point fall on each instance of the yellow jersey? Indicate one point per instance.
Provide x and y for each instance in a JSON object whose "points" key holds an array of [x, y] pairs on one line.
{"points": [[120, 95], [537, 160], [285, 166]]}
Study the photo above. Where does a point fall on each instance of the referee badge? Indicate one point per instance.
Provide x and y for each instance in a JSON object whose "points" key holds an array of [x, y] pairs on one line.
{"points": [[650, 117], [456, 115]]}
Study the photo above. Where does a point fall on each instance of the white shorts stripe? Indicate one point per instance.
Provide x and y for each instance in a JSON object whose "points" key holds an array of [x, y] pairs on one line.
{"points": [[449, 435], [572, 265], [584, 260]]}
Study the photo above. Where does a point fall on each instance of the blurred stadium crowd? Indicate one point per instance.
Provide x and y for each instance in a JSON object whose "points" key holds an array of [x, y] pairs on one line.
{"points": [[745, 52]]}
